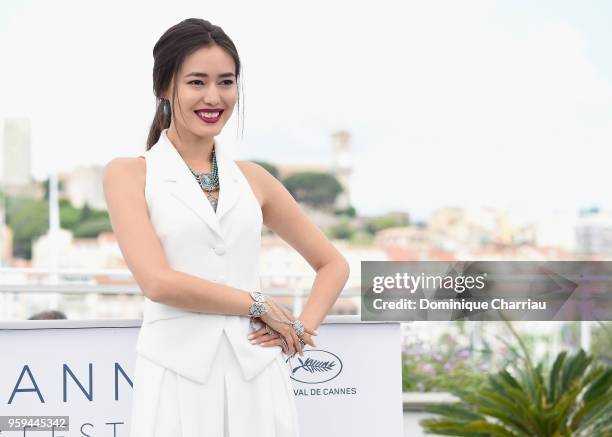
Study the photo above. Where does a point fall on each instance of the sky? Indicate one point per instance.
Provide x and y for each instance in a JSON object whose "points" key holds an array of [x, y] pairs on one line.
{"points": [[476, 103]]}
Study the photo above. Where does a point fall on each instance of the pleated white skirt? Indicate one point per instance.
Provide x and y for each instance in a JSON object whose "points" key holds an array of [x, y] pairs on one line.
{"points": [[167, 404]]}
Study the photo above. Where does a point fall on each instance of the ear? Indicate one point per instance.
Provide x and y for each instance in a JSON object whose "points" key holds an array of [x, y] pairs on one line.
{"points": [[167, 94]]}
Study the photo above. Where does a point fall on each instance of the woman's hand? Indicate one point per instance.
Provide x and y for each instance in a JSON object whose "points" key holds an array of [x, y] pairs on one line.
{"points": [[265, 339], [278, 318]]}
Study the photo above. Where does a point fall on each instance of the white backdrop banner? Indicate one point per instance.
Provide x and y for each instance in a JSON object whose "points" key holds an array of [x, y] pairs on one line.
{"points": [[350, 385]]}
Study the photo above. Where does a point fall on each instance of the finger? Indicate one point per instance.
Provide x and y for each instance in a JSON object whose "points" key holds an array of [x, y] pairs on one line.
{"points": [[296, 342], [306, 329], [274, 342], [284, 345], [262, 338], [300, 345], [258, 333], [308, 339], [310, 331], [290, 343]]}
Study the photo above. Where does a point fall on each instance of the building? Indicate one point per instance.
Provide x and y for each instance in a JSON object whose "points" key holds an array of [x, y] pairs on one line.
{"points": [[594, 234], [84, 185], [15, 160]]}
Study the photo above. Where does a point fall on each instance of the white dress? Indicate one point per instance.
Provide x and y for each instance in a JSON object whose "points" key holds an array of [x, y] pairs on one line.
{"points": [[196, 374], [167, 404]]}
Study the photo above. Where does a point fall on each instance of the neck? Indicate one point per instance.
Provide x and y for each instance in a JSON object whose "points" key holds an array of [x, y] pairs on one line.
{"points": [[196, 151]]}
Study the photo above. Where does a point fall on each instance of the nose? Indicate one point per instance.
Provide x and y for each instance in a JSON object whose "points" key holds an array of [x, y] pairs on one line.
{"points": [[212, 96]]}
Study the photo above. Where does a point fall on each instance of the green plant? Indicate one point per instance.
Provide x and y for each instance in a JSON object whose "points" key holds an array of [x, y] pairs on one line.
{"points": [[443, 366], [343, 230], [361, 237], [572, 398], [376, 224]]}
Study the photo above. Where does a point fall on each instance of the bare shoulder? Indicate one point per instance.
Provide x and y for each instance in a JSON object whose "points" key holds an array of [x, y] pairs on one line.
{"points": [[125, 170], [252, 169], [258, 177], [122, 164]]}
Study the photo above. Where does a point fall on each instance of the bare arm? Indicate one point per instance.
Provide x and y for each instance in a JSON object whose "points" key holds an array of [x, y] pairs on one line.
{"points": [[124, 181], [285, 217]]}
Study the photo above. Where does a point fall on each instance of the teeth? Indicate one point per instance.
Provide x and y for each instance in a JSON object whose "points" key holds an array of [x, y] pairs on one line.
{"points": [[209, 114]]}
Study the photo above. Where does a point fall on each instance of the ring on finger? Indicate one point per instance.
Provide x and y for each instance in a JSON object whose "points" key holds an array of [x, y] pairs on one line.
{"points": [[298, 326], [297, 343]]}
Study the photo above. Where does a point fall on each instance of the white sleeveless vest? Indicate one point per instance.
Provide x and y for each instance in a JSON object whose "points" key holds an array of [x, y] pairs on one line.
{"points": [[222, 247]]}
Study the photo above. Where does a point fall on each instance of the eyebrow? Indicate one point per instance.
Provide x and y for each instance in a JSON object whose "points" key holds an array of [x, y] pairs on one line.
{"points": [[198, 74]]}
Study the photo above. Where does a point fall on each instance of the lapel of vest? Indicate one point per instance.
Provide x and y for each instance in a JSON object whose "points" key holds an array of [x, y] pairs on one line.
{"points": [[182, 184]]}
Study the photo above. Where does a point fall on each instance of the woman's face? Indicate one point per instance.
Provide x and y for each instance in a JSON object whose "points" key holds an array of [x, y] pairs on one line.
{"points": [[207, 91]]}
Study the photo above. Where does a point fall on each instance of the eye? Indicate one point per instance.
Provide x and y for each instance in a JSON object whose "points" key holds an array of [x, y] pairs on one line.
{"points": [[198, 82], [228, 82]]}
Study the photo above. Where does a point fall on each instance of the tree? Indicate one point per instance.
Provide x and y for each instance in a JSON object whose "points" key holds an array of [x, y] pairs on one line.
{"points": [[60, 187], [92, 227], [314, 188], [69, 215], [86, 212], [349, 212], [29, 219], [376, 224]]}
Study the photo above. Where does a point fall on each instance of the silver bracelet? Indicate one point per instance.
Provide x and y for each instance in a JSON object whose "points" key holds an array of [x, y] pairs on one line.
{"points": [[258, 296], [257, 308]]}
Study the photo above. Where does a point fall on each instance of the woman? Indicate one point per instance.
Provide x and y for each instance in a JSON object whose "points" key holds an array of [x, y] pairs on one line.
{"points": [[188, 221]]}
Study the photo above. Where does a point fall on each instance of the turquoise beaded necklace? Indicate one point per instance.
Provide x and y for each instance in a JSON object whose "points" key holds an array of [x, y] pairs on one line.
{"points": [[209, 181]]}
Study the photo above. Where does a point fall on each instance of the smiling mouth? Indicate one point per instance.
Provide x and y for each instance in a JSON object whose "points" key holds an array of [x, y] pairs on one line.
{"points": [[209, 116]]}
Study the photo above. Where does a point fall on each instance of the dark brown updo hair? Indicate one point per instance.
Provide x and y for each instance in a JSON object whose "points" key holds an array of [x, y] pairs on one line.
{"points": [[170, 51]]}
